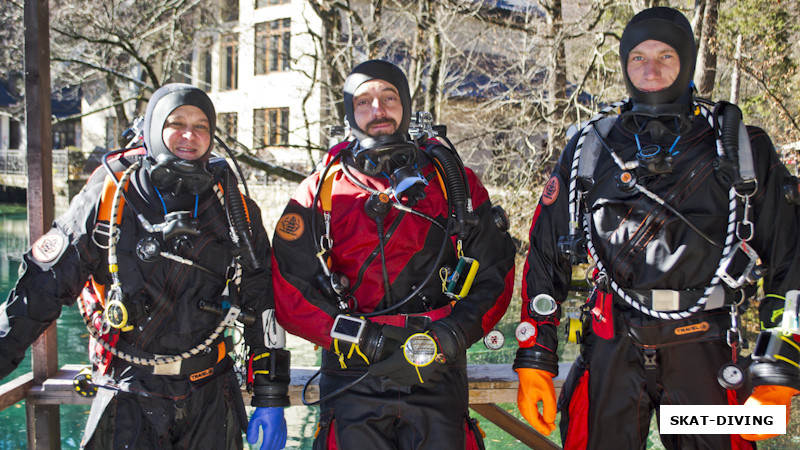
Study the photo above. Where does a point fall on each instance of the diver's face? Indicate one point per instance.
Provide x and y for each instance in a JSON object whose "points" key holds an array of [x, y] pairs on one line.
{"points": [[653, 66], [377, 108], [187, 133]]}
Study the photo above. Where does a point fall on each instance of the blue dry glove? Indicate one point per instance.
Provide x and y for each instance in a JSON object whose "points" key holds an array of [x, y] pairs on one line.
{"points": [[273, 423]]}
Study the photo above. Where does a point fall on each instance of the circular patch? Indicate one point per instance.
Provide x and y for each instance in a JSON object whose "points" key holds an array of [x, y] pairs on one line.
{"points": [[550, 192], [48, 247], [290, 227]]}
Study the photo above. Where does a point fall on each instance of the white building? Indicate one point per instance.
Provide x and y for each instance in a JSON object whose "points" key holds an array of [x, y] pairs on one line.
{"points": [[255, 73]]}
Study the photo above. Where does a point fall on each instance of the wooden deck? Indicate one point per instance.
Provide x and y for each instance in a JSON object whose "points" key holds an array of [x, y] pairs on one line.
{"points": [[489, 385]]}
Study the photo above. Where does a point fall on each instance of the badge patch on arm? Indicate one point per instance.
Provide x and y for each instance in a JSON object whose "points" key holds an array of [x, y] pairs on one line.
{"points": [[290, 227], [550, 192], [49, 247]]}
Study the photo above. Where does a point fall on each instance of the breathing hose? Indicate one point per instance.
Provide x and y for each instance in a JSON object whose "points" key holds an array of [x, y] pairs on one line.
{"points": [[456, 187], [732, 117], [238, 219]]}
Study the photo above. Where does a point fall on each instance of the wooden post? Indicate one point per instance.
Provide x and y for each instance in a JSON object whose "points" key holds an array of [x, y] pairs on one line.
{"points": [[43, 420]]}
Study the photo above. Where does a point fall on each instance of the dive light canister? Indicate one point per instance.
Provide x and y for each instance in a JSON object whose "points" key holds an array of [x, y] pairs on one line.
{"points": [[458, 286]]}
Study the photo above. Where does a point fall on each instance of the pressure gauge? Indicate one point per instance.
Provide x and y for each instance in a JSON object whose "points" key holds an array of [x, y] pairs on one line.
{"points": [[494, 339], [730, 376]]}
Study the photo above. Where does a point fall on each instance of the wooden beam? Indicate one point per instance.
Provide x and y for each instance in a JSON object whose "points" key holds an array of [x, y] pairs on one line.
{"points": [[44, 356], [15, 390], [513, 426], [489, 384], [44, 423]]}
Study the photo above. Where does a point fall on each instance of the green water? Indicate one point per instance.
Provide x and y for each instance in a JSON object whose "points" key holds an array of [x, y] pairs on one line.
{"points": [[72, 348]]}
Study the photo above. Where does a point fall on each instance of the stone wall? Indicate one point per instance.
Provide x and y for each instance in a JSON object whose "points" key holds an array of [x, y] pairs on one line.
{"points": [[272, 199]]}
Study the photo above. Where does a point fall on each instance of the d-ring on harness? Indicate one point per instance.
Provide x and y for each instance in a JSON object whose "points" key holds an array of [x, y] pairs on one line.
{"points": [[584, 168], [116, 293]]}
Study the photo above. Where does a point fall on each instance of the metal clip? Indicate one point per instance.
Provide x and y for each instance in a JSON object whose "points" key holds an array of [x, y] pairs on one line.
{"points": [[650, 358], [732, 336], [745, 221]]}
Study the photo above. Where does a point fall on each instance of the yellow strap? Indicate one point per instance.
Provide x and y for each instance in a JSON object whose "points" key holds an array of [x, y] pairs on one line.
{"points": [[263, 355], [790, 342], [784, 359], [354, 348], [338, 352]]}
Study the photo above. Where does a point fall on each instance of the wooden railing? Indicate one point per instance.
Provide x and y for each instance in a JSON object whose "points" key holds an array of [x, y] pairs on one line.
{"points": [[489, 384]]}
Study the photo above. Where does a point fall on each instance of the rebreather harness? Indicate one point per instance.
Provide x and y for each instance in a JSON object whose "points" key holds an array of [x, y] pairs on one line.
{"points": [[738, 231], [231, 312]]}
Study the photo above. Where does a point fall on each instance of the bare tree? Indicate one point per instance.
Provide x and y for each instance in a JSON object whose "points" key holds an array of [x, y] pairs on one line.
{"points": [[11, 52], [126, 49], [706, 70]]}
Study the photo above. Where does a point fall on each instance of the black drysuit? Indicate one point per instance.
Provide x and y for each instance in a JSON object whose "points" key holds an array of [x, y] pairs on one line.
{"points": [[630, 362], [198, 406]]}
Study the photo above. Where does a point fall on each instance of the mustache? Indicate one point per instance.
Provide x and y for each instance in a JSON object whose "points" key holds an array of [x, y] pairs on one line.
{"points": [[380, 121]]}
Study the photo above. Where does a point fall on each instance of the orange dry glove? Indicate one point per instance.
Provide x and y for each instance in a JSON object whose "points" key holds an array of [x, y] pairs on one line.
{"points": [[536, 386], [770, 395]]}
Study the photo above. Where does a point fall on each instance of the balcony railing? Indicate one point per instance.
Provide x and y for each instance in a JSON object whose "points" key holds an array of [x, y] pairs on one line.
{"points": [[14, 162]]}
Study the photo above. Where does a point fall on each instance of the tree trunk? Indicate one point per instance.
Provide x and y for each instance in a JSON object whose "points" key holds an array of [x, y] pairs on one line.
{"points": [[706, 70], [557, 80], [697, 20]]}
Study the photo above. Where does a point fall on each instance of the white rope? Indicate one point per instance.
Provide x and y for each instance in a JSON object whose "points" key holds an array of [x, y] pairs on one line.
{"points": [[729, 238], [154, 360], [230, 317]]}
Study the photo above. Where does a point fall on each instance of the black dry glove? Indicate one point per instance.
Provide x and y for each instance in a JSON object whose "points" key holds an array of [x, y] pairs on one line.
{"points": [[422, 349]]}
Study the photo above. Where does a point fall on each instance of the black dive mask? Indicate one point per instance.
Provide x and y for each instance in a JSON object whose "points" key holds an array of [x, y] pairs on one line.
{"points": [[659, 120], [179, 175], [384, 154], [395, 159], [167, 171]]}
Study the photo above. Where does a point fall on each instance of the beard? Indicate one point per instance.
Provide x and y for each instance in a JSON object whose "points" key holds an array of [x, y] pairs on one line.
{"points": [[381, 121]]}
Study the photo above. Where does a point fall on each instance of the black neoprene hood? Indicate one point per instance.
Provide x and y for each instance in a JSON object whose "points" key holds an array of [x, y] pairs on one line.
{"points": [[165, 100], [377, 70], [665, 25]]}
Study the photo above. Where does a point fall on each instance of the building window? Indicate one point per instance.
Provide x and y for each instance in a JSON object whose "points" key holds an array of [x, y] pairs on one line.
{"points": [[14, 134], [265, 3], [183, 73], [229, 10], [272, 46], [271, 127], [204, 70], [230, 66], [226, 128], [64, 134]]}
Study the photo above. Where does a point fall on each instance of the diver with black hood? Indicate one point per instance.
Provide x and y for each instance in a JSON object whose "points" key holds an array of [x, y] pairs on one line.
{"points": [[365, 257], [675, 203], [164, 255]]}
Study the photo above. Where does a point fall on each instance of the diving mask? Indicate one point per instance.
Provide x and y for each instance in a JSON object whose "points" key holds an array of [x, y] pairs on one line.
{"points": [[395, 159], [384, 154], [180, 175]]}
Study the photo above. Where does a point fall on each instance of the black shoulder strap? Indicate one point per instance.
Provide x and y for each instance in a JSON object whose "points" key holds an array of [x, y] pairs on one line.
{"points": [[592, 146]]}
